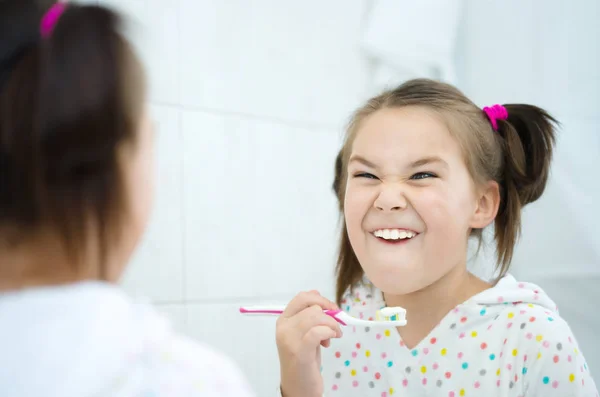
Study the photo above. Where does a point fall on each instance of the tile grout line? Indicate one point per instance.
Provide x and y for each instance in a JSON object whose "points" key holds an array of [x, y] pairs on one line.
{"points": [[182, 180]]}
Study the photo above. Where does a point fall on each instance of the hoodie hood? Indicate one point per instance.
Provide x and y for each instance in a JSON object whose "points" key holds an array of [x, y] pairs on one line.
{"points": [[507, 291], [510, 291]]}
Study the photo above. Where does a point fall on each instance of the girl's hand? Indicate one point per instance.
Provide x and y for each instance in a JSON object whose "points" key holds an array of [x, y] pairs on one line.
{"points": [[301, 331]]}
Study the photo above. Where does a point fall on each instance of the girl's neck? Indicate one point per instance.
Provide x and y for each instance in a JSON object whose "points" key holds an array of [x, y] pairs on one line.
{"points": [[42, 261], [427, 307]]}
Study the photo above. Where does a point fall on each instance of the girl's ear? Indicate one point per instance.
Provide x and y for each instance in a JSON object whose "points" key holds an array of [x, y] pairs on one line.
{"points": [[487, 205]]}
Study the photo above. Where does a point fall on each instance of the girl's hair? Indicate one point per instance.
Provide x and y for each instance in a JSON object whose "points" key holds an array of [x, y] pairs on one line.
{"points": [[337, 180], [67, 103], [517, 156]]}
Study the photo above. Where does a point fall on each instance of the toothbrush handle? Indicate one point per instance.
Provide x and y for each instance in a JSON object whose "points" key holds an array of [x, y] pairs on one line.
{"points": [[262, 310], [277, 310]]}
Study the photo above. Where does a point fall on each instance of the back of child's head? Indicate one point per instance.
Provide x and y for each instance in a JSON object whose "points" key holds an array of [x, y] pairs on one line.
{"points": [[70, 97], [514, 151]]}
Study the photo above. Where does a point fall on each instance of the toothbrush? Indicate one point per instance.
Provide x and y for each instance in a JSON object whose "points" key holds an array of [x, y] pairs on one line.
{"points": [[385, 317]]}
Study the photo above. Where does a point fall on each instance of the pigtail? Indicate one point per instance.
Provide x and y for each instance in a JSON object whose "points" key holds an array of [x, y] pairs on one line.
{"points": [[528, 138]]}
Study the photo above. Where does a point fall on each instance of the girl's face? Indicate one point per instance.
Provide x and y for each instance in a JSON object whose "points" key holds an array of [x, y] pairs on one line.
{"points": [[410, 201]]}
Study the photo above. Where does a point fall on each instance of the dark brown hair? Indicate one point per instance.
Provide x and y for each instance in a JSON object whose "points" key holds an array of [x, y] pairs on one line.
{"points": [[67, 104], [337, 180], [517, 156]]}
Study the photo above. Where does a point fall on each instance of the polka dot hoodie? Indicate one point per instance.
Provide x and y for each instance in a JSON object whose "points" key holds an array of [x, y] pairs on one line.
{"points": [[507, 341]]}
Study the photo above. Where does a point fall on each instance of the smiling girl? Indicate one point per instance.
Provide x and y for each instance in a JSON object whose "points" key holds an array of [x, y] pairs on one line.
{"points": [[423, 169]]}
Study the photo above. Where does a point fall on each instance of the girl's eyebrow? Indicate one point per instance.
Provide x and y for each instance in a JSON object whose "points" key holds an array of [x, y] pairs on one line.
{"points": [[417, 163]]}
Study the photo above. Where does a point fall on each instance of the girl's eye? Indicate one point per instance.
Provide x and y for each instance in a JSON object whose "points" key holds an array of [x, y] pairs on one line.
{"points": [[423, 175], [365, 175]]}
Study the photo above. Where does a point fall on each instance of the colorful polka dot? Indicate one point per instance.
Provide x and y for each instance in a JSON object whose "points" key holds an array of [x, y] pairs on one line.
{"points": [[476, 351]]}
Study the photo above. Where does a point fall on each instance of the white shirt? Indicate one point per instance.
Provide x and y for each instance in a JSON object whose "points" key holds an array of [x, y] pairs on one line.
{"points": [[90, 339]]}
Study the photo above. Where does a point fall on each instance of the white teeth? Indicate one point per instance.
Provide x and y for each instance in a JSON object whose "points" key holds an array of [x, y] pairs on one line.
{"points": [[394, 234]]}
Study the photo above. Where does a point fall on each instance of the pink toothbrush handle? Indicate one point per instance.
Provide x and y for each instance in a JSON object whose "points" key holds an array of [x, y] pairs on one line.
{"points": [[259, 311], [274, 310]]}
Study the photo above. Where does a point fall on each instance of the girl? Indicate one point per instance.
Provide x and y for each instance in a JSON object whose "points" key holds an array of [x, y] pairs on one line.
{"points": [[423, 169], [75, 194]]}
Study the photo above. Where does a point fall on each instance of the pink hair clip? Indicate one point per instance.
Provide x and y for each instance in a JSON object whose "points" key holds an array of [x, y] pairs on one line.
{"points": [[494, 113], [50, 18]]}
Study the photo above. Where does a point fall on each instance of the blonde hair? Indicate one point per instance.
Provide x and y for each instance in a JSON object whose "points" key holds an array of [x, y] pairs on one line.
{"points": [[517, 156]]}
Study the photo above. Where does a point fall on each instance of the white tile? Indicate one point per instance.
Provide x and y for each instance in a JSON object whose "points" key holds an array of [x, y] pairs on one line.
{"points": [[249, 341], [568, 78], [157, 266], [162, 54], [260, 215], [499, 52], [571, 244], [288, 60], [177, 314], [153, 28]]}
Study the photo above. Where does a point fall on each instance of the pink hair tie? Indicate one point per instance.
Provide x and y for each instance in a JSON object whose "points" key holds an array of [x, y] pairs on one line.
{"points": [[494, 113], [50, 18]]}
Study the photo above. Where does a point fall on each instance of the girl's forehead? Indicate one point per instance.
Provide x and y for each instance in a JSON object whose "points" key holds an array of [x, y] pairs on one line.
{"points": [[407, 131]]}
